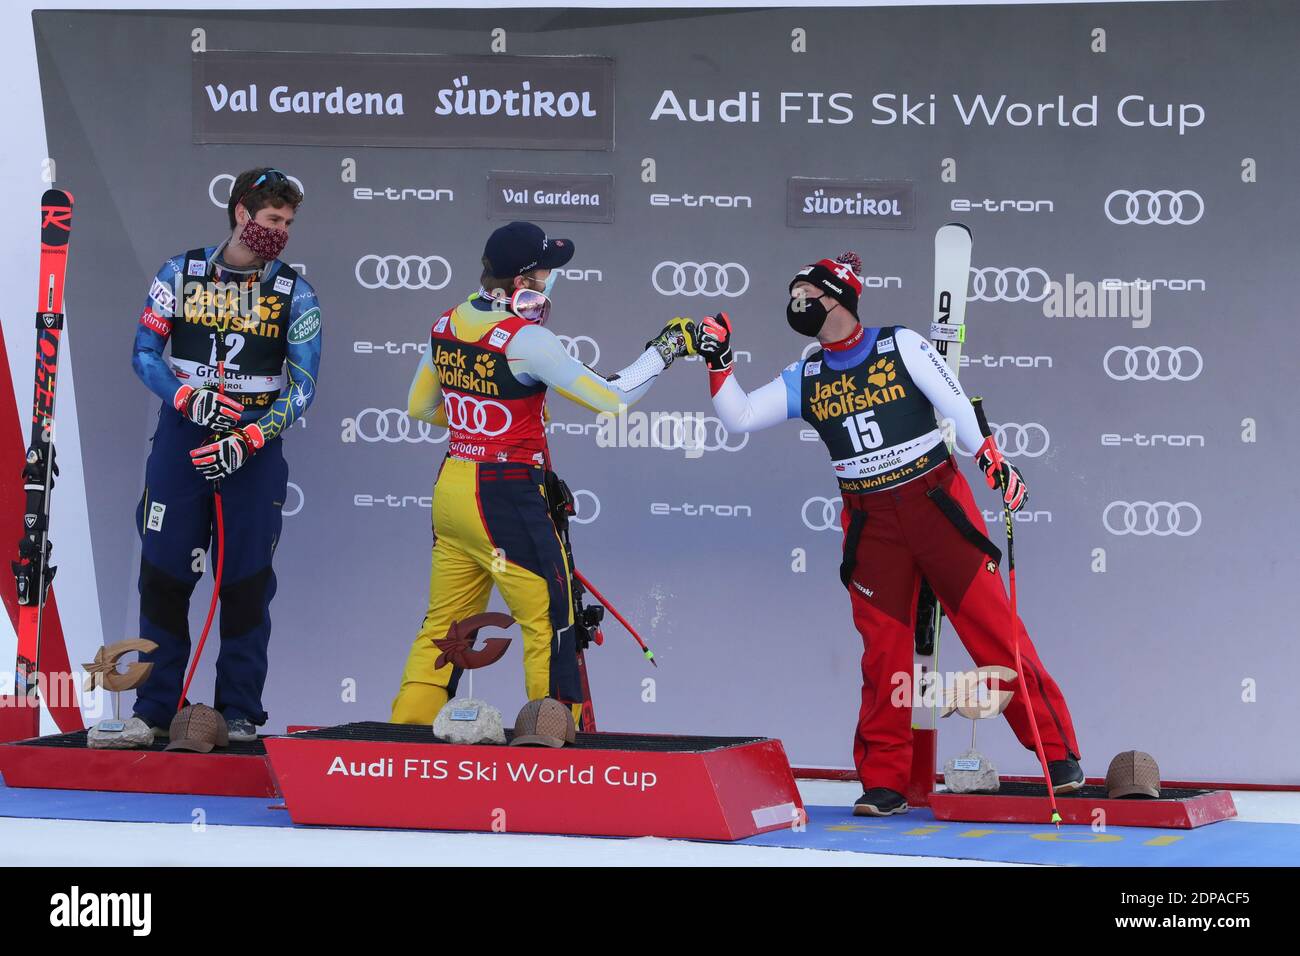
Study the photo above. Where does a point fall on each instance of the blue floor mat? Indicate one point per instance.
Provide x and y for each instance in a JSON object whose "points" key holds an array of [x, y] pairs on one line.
{"points": [[918, 833], [141, 807]]}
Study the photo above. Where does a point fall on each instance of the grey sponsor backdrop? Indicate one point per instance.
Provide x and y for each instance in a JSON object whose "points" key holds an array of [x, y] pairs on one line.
{"points": [[1154, 652]]}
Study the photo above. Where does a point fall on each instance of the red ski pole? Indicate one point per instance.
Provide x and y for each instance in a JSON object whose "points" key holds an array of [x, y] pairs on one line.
{"points": [[221, 538], [649, 654], [987, 432]]}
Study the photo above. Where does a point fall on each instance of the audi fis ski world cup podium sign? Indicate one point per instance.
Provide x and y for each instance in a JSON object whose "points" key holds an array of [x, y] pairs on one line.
{"points": [[388, 775]]}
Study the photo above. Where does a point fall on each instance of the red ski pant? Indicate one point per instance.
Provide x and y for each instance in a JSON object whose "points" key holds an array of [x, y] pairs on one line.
{"points": [[901, 535]]}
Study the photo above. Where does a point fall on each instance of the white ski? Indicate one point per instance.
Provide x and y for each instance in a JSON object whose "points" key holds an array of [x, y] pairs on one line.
{"points": [[952, 251], [952, 245]]}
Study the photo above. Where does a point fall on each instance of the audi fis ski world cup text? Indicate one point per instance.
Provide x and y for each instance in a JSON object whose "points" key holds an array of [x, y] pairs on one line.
{"points": [[889, 108], [428, 768]]}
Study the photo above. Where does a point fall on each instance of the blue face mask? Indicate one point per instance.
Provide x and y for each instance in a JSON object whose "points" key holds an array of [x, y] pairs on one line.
{"points": [[550, 283]]}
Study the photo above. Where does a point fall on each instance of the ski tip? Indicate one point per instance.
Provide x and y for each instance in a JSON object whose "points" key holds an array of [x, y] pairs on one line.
{"points": [[959, 225]]}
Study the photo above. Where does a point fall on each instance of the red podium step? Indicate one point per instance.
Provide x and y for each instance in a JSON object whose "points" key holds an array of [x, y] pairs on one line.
{"points": [[64, 762], [1177, 808], [394, 775]]}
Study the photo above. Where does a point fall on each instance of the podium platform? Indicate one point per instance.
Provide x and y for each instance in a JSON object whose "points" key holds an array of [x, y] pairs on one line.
{"points": [[374, 774], [64, 762], [1177, 808]]}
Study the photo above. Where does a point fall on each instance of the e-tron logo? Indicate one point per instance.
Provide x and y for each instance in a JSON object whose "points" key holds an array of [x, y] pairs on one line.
{"points": [[1160, 207], [1160, 518], [822, 514], [403, 272], [581, 275], [222, 183], [1159, 363], [292, 489], [700, 278], [477, 416], [995, 285], [585, 514], [393, 426], [580, 347], [1030, 440]]}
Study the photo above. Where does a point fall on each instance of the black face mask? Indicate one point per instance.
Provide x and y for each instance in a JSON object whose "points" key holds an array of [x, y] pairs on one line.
{"points": [[806, 316]]}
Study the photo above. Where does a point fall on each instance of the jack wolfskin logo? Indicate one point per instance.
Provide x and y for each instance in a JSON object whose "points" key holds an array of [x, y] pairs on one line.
{"points": [[268, 308], [881, 373]]}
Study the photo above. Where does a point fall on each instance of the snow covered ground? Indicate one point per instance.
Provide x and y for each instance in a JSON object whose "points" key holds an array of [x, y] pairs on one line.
{"points": [[81, 843]]}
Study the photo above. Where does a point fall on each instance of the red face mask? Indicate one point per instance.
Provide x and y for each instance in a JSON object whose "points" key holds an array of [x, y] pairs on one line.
{"points": [[263, 242]]}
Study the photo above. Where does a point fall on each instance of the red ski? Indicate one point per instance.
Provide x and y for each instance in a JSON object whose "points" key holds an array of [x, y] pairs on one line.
{"points": [[32, 571]]}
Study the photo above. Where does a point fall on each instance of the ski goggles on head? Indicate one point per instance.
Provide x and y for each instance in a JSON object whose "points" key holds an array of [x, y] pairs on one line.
{"points": [[267, 178], [531, 305]]}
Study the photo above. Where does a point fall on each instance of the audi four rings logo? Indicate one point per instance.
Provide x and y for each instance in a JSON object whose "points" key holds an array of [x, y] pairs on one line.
{"points": [[1161, 518], [698, 433], [393, 425], [302, 500], [1159, 363], [227, 182], [700, 278], [581, 515], [580, 346], [822, 514], [1030, 440], [403, 272], [1160, 207], [992, 284], [478, 416]]}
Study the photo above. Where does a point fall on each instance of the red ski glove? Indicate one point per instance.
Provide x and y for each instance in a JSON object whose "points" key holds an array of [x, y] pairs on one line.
{"points": [[223, 457], [207, 407], [1000, 473]]}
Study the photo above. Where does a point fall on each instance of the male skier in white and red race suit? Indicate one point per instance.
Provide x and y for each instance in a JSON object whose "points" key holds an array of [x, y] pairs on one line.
{"points": [[872, 394]]}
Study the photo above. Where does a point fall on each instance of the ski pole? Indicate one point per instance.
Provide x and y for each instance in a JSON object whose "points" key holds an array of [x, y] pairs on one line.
{"points": [[221, 537], [987, 432], [649, 654]]}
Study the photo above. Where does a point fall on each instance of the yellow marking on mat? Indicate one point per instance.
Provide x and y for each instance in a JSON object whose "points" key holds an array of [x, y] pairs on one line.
{"points": [[1162, 840], [1086, 838]]}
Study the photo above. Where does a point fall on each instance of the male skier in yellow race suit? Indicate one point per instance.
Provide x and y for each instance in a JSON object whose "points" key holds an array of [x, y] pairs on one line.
{"points": [[485, 377]]}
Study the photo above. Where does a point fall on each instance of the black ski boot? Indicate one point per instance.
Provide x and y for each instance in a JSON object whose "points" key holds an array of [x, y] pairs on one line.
{"points": [[879, 802], [1067, 775]]}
